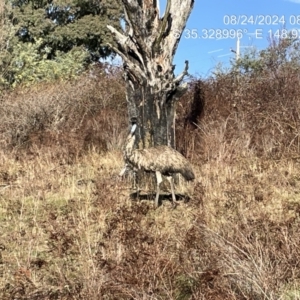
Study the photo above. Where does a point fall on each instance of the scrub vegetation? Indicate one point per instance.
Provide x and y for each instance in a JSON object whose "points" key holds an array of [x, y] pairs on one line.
{"points": [[69, 229]]}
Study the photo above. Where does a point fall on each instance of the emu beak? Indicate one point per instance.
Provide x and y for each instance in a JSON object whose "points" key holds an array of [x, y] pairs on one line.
{"points": [[133, 128]]}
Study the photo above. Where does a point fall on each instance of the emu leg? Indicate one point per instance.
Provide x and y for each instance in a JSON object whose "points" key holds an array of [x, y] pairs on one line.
{"points": [[158, 182], [136, 184], [170, 179]]}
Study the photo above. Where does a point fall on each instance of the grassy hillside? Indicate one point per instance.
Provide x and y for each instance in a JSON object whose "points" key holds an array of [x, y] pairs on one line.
{"points": [[69, 230]]}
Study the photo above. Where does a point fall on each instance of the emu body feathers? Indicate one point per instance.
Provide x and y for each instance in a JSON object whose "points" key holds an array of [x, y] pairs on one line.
{"points": [[162, 160]]}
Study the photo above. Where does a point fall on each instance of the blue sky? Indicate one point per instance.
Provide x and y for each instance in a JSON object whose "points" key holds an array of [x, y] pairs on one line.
{"points": [[205, 50]]}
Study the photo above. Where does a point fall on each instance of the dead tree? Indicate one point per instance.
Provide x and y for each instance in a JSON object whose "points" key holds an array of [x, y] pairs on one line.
{"points": [[147, 47]]}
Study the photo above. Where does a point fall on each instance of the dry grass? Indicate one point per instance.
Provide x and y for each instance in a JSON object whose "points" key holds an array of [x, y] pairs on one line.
{"points": [[69, 229]]}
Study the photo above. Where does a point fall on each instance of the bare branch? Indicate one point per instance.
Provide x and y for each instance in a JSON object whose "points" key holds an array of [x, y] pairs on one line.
{"points": [[148, 44], [128, 21], [179, 13], [135, 33], [184, 72], [125, 42], [120, 38], [132, 4], [134, 68], [181, 90], [134, 17], [162, 28]]}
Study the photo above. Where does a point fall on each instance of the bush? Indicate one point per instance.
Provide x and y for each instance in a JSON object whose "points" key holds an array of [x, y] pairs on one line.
{"points": [[73, 114], [249, 108]]}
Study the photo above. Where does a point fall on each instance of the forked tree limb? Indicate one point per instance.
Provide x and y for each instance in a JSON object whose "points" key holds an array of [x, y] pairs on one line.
{"points": [[134, 68], [153, 40], [180, 91], [126, 44], [179, 78]]}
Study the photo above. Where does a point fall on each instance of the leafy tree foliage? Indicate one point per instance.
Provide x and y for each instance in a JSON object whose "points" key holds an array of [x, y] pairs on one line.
{"points": [[27, 64], [63, 25], [48, 39], [280, 54]]}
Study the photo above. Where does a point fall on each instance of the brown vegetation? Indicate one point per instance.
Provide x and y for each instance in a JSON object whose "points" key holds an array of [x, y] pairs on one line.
{"points": [[70, 231]]}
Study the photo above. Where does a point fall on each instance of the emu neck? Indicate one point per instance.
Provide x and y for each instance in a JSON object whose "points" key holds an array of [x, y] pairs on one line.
{"points": [[129, 146]]}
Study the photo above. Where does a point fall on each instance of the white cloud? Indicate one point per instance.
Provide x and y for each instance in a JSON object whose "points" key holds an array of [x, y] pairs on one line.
{"points": [[213, 51], [224, 55]]}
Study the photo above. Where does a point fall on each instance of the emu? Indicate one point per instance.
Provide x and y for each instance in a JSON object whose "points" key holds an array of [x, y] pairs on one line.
{"points": [[162, 160]]}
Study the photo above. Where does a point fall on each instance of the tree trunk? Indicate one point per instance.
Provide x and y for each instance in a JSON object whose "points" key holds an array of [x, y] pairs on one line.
{"points": [[147, 47], [154, 117]]}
